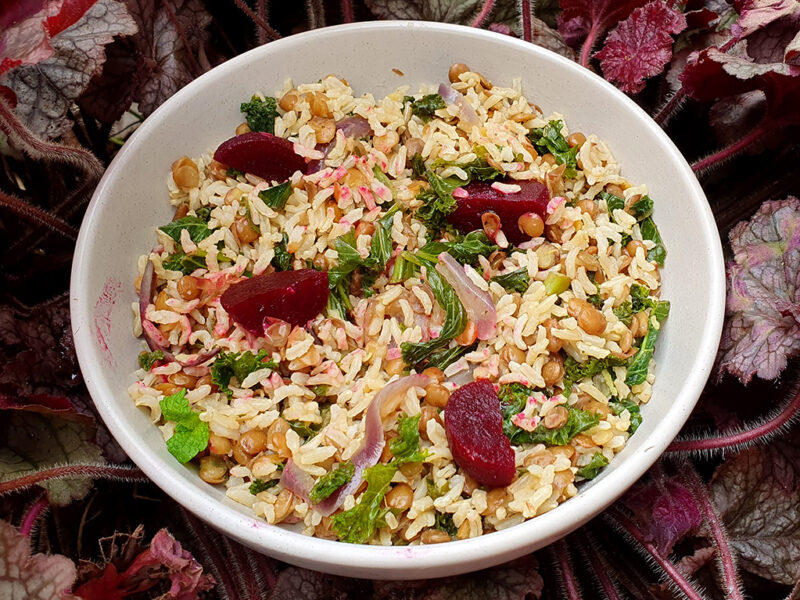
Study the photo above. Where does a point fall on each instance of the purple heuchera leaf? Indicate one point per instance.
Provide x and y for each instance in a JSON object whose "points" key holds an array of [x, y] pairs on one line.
{"points": [[762, 327], [590, 19], [757, 493], [641, 45], [46, 90], [34, 577], [664, 509], [755, 14]]}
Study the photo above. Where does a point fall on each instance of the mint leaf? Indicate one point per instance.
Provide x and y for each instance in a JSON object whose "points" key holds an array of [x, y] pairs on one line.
{"points": [[260, 114], [191, 434], [762, 324], [577, 422], [328, 484], [185, 263], [282, 261], [197, 228]]}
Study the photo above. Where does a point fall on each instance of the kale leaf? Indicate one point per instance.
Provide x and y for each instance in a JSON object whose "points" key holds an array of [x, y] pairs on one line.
{"points": [[276, 196], [515, 281], [238, 365], [329, 483], [657, 253], [259, 485], [591, 470], [197, 228], [426, 107], [146, 359], [637, 369], [633, 410], [548, 139], [282, 261], [260, 113]]}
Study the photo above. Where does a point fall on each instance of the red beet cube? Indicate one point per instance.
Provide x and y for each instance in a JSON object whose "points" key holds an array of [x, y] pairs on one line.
{"points": [[482, 197], [262, 154], [292, 296], [474, 427]]}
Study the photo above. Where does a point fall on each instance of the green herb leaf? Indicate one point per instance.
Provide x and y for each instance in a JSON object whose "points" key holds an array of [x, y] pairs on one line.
{"points": [[197, 228], [259, 485], [260, 114], [624, 312], [633, 410], [191, 434], [276, 196], [549, 139], [591, 470], [577, 422], [595, 300], [185, 263], [418, 166], [642, 208], [234, 173], [328, 484], [516, 281], [356, 526], [478, 169], [637, 369], [444, 522], [438, 202], [575, 371], [612, 203], [238, 365], [381, 248], [445, 358], [282, 261], [146, 359], [405, 447], [465, 250], [402, 270], [657, 254], [425, 107]]}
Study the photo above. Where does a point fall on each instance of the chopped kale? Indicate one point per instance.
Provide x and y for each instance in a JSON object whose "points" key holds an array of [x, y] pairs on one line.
{"points": [[633, 410], [548, 139], [657, 254], [426, 107], [282, 261], [591, 470], [185, 263], [444, 522], [238, 365], [259, 485], [637, 368], [197, 228], [642, 208], [516, 281], [329, 483], [146, 359], [260, 113]]}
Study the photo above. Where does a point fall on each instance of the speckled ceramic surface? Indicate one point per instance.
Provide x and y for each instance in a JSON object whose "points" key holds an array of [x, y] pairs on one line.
{"points": [[131, 201]]}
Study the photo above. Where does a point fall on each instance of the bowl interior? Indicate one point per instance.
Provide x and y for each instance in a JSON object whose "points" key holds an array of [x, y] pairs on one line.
{"points": [[131, 201]]}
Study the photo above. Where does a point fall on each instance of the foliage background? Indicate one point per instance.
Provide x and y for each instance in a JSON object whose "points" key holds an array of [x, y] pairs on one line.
{"points": [[718, 517]]}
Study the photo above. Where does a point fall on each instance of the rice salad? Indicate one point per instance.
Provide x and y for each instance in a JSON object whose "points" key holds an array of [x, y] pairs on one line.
{"points": [[402, 320]]}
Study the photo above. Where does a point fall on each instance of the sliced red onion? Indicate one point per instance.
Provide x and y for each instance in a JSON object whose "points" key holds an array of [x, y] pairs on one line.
{"points": [[147, 289], [355, 126], [478, 304], [367, 456], [466, 113], [297, 481]]}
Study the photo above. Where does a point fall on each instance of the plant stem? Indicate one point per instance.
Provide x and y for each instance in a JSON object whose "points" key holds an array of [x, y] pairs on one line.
{"points": [[33, 514], [560, 554], [347, 11], [271, 33], [669, 108], [488, 5], [34, 214], [752, 434], [626, 525], [525, 14], [730, 574], [95, 471], [588, 44], [598, 565], [732, 150]]}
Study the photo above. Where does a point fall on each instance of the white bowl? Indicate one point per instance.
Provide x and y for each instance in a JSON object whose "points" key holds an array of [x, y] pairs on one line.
{"points": [[131, 201]]}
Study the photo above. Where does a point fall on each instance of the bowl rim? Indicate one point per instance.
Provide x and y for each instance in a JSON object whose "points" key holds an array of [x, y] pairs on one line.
{"points": [[385, 562]]}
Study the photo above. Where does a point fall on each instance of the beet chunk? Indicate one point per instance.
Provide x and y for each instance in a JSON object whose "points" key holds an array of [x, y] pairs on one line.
{"points": [[482, 197], [292, 296], [474, 429], [262, 154]]}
